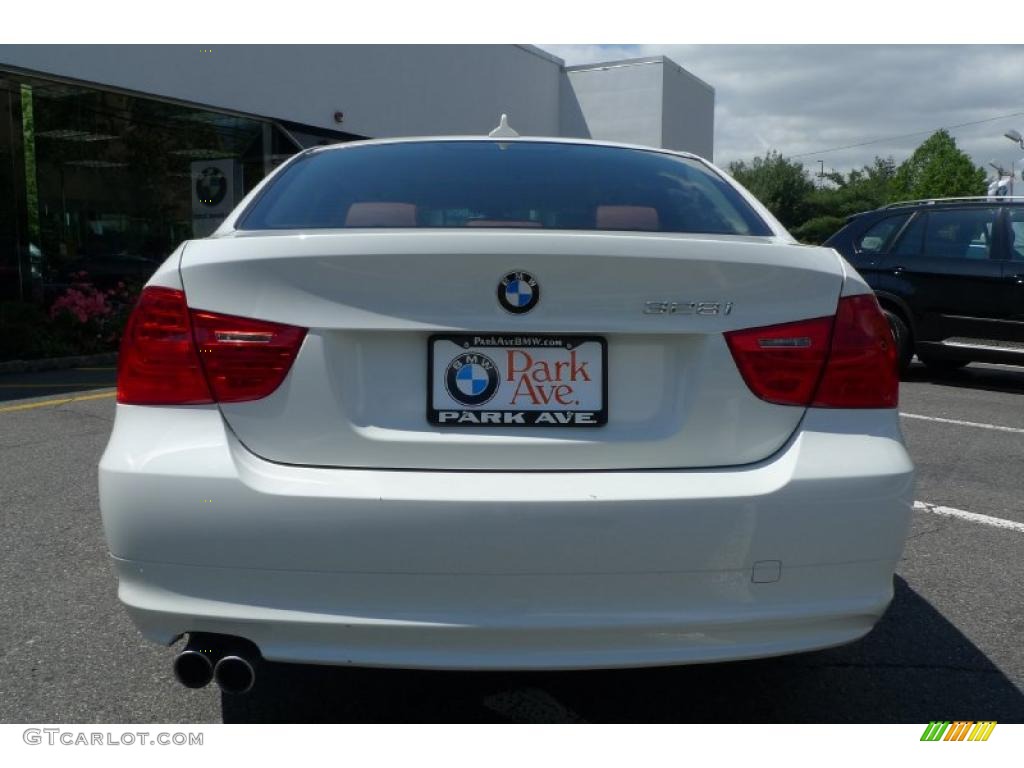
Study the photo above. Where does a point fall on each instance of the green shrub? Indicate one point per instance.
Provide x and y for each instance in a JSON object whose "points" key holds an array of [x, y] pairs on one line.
{"points": [[817, 230]]}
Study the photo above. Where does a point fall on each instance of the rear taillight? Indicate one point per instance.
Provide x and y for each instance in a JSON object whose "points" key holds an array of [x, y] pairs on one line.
{"points": [[862, 370], [173, 355], [158, 364], [782, 363], [244, 359], [846, 361]]}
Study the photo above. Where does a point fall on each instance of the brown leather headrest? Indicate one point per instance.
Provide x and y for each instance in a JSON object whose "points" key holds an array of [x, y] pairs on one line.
{"points": [[627, 217], [381, 215]]}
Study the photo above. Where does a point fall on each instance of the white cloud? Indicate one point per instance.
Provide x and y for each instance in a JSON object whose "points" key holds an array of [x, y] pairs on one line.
{"points": [[806, 98]]}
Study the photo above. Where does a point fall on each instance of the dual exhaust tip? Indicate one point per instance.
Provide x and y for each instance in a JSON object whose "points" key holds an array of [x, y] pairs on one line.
{"points": [[229, 661]]}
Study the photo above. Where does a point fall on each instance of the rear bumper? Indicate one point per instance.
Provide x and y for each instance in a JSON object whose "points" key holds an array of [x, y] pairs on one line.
{"points": [[505, 570]]}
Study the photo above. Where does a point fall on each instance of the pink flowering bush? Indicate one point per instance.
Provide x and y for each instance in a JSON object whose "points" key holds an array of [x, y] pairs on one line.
{"points": [[87, 319], [85, 303]]}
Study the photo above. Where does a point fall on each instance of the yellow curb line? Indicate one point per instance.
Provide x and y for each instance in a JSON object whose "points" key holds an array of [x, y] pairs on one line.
{"points": [[79, 384], [61, 401]]}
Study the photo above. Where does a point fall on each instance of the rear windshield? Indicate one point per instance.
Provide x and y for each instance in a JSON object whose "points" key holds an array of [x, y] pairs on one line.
{"points": [[502, 184]]}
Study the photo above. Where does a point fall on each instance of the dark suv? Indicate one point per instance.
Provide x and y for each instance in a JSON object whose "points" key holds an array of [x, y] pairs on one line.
{"points": [[949, 275]]}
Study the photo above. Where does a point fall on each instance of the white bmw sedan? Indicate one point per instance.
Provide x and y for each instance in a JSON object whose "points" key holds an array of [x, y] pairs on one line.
{"points": [[503, 403]]}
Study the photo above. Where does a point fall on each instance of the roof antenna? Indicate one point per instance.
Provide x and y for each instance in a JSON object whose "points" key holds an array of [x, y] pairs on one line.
{"points": [[503, 131]]}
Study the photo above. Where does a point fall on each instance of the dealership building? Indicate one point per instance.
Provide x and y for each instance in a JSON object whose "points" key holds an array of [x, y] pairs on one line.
{"points": [[111, 155]]}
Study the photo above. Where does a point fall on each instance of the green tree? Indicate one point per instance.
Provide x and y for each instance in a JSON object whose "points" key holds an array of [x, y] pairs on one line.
{"points": [[28, 127], [782, 185], [939, 169], [843, 195], [860, 190]]}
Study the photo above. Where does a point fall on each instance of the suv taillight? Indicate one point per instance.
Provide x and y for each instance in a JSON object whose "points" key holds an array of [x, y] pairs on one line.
{"points": [[846, 361], [173, 355]]}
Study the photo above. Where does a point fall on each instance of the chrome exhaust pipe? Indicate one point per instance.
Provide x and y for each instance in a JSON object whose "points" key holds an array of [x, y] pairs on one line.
{"points": [[235, 674], [193, 667]]}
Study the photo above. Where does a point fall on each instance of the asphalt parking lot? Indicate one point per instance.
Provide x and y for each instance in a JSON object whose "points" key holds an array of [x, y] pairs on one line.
{"points": [[950, 647]]}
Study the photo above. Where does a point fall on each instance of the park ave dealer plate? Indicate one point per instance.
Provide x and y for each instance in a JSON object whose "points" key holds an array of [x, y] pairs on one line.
{"points": [[513, 380]]}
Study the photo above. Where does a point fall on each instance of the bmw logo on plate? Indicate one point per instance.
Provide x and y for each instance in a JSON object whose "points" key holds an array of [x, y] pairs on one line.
{"points": [[518, 292], [471, 378]]}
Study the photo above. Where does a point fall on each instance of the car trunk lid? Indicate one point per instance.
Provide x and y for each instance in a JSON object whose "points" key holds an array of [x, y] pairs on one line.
{"points": [[658, 304]]}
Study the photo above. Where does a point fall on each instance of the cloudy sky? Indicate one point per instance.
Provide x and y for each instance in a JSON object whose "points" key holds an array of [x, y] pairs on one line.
{"points": [[809, 101]]}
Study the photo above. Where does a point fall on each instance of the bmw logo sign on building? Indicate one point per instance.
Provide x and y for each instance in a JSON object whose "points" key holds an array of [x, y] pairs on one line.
{"points": [[471, 378], [518, 292], [211, 186], [214, 187]]}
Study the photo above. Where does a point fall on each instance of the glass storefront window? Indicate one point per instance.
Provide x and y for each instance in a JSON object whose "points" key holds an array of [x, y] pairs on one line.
{"points": [[97, 188], [108, 184]]}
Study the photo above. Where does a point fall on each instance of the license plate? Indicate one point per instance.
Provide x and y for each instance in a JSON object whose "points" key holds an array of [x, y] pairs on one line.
{"points": [[496, 380]]}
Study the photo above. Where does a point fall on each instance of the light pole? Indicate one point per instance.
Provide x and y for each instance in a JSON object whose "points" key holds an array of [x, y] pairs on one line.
{"points": [[1014, 136]]}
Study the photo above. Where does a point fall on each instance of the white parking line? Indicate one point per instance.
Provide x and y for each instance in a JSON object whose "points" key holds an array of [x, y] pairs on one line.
{"points": [[978, 424], [973, 517]]}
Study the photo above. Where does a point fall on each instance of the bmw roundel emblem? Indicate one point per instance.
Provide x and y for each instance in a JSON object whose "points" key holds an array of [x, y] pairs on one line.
{"points": [[518, 292], [471, 378]]}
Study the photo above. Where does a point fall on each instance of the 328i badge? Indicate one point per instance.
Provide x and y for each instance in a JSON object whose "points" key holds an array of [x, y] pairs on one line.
{"points": [[489, 380]]}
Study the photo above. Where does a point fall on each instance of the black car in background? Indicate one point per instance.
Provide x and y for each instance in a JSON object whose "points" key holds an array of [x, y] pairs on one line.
{"points": [[949, 275]]}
